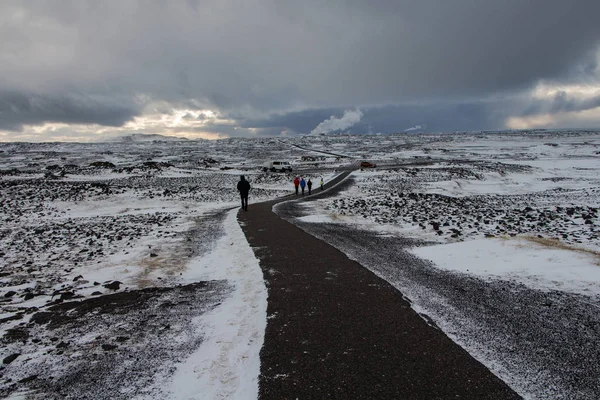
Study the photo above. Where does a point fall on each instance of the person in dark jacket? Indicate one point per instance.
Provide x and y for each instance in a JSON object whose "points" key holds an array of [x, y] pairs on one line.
{"points": [[243, 187], [309, 185]]}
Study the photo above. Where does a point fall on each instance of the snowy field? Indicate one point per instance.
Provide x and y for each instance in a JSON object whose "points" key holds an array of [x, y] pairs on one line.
{"points": [[124, 273], [495, 239]]}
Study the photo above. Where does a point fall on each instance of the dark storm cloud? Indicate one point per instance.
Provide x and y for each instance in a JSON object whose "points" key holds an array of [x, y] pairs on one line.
{"points": [[299, 121], [18, 109], [460, 116], [561, 102], [270, 57]]}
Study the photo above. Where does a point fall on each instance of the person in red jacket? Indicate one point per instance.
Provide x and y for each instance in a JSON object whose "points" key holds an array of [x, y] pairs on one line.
{"points": [[296, 183]]}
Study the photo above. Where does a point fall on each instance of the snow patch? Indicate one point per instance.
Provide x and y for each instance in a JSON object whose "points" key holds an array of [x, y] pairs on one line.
{"points": [[518, 259], [227, 364]]}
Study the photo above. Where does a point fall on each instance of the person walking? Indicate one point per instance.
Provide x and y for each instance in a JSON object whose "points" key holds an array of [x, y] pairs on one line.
{"points": [[243, 187], [321, 183], [309, 185], [302, 185], [296, 184]]}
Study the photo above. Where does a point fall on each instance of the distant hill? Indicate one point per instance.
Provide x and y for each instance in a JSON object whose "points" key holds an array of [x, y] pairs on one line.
{"points": [[147, 137]]}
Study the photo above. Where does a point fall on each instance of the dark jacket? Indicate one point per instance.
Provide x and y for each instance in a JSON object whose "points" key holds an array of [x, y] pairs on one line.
{"points": [[243, 186]]}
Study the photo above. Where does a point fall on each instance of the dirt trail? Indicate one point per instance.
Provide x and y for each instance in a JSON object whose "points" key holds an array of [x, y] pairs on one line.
{"points": [[335, 330]]}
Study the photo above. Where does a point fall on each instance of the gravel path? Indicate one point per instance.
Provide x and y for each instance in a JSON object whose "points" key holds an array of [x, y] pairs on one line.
{"points": [[543, 343], [335, 330]]}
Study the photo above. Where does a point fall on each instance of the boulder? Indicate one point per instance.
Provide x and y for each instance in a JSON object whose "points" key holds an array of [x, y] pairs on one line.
{"points": [[114, 285]]}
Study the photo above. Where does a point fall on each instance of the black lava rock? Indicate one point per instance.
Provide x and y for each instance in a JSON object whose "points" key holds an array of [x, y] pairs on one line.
{"points": [[115, 285], [11, 358]]}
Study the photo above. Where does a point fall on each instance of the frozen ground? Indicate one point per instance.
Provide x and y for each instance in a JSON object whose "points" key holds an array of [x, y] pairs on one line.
{"points": [[124, 273], [495, 240]]}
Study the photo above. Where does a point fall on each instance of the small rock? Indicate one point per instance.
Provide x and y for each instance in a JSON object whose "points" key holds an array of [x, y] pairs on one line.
{"points": [[153, 255], [11, 358], [10, 293], [28, 379], [67, 295], [115, 285], [78, 277], [108, 347]]}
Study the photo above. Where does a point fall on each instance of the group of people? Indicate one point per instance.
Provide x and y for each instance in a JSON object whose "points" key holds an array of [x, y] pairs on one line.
{"points": [[243, 187], [299, 182]]}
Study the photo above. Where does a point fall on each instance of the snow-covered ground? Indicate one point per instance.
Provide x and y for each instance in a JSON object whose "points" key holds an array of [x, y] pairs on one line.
{"points": [[123, 267], [532, 217], [472, 228]]}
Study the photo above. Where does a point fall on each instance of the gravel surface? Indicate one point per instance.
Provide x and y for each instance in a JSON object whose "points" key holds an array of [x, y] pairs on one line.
{"points": [[543, 343]]}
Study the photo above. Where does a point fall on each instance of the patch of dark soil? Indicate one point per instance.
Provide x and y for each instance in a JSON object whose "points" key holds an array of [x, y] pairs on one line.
{"points": [[207, 230], [124, 342], [15, 335], [102, 164]]}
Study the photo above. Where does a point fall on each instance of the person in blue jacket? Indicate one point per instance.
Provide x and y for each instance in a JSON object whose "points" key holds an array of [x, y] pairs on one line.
{"points": [[302, 185]]}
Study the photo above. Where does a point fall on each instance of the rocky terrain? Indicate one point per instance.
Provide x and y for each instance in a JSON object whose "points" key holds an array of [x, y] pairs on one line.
{"points": [[93, 242], [536, 328], [96, 240], [400, 198]]}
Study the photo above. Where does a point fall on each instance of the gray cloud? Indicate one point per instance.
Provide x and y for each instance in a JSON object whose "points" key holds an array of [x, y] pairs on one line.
{"points": [[17, 109], [561, 102], [279, 61], [441, 116]]}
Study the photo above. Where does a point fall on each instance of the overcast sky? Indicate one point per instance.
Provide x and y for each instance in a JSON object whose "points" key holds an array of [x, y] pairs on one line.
{"points": [[87, 70]]}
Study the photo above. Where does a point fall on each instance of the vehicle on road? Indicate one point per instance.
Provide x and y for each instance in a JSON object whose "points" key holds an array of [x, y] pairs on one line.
{"points": [[277, 166], [366, 164]]}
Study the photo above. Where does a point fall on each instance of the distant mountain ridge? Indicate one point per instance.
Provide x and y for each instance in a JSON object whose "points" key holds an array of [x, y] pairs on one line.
{"points": [[147, 137]]}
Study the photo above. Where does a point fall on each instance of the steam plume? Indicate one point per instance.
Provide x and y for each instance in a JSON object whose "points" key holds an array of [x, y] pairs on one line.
{"points": [[333, 123]]}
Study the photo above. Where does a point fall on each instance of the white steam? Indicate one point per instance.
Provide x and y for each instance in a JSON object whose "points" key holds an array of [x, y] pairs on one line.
{"points": [[416, 128], [332, 124]]}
